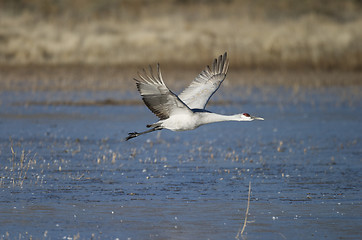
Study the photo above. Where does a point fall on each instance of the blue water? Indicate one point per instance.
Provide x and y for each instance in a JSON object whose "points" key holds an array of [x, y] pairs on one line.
{"points": [[79, 179]]}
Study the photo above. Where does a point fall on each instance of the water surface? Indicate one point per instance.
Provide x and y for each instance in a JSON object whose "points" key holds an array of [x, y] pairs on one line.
{"points": [[79, 179]]}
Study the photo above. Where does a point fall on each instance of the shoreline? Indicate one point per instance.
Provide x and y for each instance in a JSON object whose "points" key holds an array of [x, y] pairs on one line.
{"points": [[120, 78]]}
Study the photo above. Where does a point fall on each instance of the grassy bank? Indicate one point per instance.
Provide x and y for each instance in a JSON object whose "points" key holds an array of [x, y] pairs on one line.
{"points": [[263, 34]]}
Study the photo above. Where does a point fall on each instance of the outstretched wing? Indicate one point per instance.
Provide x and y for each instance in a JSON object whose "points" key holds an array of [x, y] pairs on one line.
{"points": [[157, 97], [205, 84]]}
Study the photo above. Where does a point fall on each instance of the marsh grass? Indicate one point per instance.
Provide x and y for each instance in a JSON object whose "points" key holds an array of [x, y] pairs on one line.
{"points": [[16, 173], [243, 226]]}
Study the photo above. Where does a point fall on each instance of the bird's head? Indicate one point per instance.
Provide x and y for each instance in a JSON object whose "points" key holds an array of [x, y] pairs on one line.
{"points": [[247, 117]]}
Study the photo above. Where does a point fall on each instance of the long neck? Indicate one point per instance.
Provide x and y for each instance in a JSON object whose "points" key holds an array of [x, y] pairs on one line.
{"points": [[208, 117]]}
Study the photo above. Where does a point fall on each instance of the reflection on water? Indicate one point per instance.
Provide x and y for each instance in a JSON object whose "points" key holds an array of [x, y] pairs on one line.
{"points": [[78, 179]]}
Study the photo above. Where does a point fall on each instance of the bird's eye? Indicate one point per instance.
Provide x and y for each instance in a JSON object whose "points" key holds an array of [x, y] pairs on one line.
{"points": [[246, 114]]}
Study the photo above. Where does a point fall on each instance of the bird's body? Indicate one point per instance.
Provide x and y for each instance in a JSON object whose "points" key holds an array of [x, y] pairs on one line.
{"points": [[187, 110], [183, 122]]}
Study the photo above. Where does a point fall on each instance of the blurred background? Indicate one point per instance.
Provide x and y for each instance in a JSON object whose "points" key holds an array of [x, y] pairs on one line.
{"points": [[324, 34]]}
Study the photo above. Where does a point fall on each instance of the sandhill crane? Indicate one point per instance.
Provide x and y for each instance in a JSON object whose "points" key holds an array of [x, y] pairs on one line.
{"points": [[187, 110]]}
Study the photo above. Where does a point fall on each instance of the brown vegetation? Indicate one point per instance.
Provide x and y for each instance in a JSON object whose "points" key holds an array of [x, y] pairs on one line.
{"points": [[119, 78], [257, 33]]}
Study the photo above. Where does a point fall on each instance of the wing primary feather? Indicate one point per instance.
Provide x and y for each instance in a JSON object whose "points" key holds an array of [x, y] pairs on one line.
{"points": [[214, 66], [198, 93], [225, 65], [159, 74], [150, 79], [219, 64], [143, 78], [208, 68], [155, 80]]}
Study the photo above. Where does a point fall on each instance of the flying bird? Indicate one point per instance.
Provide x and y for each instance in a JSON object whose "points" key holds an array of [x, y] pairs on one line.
{"points": [[185, 111]]}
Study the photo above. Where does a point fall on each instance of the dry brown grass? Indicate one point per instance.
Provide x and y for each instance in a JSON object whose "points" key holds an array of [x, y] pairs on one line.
{"points": [[284, 34], [16, 173], [119, 78], [243, 226]]}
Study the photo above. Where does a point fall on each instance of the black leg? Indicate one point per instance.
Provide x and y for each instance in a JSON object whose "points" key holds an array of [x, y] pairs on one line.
{"points": [[136, 134]]}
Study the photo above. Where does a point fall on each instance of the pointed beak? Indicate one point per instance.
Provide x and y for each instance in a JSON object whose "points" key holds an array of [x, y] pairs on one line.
{"points": [[257, 118]]}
